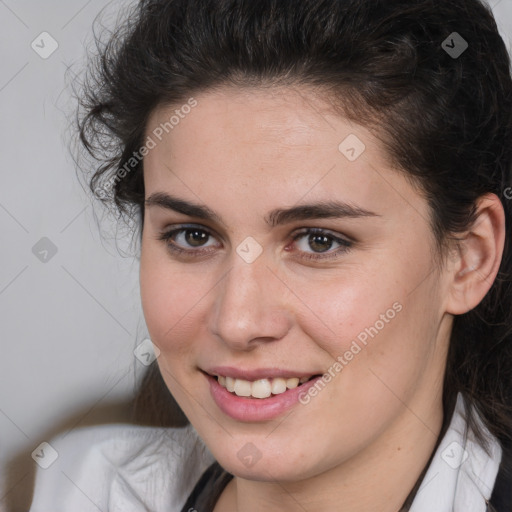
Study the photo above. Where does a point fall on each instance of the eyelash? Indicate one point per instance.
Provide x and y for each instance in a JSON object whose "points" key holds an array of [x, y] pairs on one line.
{"points": [[345, 245]]}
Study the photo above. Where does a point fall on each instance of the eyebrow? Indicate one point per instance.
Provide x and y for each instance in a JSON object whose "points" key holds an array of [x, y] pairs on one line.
{"points": [[320, 210]]}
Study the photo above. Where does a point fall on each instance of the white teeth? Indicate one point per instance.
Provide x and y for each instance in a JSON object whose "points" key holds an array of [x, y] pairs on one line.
{"points": [[230, 384], [242, 387], [262, 388], [278, 386], [292, 383]]}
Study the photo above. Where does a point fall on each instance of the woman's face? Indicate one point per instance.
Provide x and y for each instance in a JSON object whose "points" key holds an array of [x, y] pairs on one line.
{"points": [[296, 252]]}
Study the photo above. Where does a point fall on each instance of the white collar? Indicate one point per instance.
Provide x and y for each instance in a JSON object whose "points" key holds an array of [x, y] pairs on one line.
{"points": [[461, 476]]}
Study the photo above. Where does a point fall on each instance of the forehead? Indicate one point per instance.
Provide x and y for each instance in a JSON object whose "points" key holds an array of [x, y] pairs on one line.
{"points": [[284, 143], [289, 117]]}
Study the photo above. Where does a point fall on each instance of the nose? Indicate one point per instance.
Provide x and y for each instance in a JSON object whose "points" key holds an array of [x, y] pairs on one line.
{"points": [[249, 308]]}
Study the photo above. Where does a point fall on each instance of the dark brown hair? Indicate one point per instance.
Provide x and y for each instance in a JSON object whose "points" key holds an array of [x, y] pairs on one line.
{"points": [[445, 119]]}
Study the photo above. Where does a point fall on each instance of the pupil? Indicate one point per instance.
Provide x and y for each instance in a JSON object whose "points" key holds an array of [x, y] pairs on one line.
{"points": [[320, 243], [195, 237]]}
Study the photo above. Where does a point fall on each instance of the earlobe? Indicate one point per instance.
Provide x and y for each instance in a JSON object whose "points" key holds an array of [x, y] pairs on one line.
{"points": [[480, 253]]}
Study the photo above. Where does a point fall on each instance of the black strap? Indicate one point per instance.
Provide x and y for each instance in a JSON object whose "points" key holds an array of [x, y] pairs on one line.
{"points": [[501, 498], [208, 489]]}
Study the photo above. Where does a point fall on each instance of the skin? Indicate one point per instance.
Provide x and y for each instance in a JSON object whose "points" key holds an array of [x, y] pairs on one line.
{"points": [[365, 438]]}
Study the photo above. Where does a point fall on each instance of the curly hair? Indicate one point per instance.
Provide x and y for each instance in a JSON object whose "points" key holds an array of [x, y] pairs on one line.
{"points": [[444, 118]]}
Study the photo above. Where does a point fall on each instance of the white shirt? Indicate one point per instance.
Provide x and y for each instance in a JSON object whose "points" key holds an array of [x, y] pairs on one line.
{"points": [[126, 468]]}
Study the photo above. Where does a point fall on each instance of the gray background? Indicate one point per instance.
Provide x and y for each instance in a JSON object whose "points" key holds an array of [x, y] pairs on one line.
{"points": [[70, 323]]}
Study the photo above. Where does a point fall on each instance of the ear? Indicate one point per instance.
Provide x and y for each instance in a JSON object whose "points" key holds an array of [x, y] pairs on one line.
{"points": [[479, 256]]}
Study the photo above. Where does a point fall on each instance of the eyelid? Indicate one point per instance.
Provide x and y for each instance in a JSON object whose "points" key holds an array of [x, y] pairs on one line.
{"points": [[342, 238]]}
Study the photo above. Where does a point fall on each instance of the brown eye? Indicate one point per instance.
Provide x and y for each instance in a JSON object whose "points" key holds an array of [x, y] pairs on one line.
{"points": [[189, 239], [318, 244], [196, 237]]}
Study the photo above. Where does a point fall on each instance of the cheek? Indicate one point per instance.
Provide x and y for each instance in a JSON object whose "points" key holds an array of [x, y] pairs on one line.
{"points": [[337, 308], [374, 320], [379, 343], [171, 299]]}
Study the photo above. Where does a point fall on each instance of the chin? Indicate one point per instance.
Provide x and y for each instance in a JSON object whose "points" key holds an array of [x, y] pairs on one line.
{"points": [[260, 460]]}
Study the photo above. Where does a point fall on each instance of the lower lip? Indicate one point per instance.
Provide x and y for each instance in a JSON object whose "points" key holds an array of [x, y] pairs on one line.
{"points": [[256, 409]]}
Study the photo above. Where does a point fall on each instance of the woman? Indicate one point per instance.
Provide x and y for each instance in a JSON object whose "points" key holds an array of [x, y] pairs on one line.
{"points": [[325, 257]]}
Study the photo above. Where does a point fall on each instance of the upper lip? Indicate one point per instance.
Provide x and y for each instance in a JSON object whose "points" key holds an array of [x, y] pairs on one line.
{"points": [[257, 373]]}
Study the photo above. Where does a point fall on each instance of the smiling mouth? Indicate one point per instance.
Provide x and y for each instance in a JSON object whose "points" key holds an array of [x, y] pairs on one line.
{"points": [[261, 388]]}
